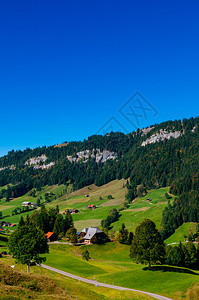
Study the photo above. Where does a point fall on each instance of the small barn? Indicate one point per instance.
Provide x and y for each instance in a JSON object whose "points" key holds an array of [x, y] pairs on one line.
{"points": [[6, 224], [91, 206], [73, 211], [26, 203]]}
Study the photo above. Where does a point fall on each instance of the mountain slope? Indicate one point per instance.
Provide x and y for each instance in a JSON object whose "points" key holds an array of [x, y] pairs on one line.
{"points": [[162, 155]]}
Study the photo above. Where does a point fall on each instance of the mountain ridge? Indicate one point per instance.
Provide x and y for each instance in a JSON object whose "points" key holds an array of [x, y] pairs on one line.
{"points": [[169, 157]]}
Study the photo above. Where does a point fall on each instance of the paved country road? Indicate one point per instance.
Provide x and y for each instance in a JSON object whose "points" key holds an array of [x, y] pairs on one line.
{"points": [[96, 283]]}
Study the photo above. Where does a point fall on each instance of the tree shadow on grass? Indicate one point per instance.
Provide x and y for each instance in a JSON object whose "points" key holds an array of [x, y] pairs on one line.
{"points": [[170, 269]]}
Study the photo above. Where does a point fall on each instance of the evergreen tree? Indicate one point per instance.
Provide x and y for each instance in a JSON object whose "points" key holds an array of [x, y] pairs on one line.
{"points": [[85, 255], [59, 225], [183, 255], [52, 213], [38, 202], [68, 222], [124, 237], [72, 235], [42, 219], [21, 222]]}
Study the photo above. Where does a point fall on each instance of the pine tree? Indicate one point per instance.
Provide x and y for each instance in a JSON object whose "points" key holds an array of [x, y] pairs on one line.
{"points": [[59, 225], [21, 222]]}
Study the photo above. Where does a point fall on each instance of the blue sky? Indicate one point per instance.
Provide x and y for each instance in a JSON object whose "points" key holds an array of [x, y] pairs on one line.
{"points": [[68, 68]]}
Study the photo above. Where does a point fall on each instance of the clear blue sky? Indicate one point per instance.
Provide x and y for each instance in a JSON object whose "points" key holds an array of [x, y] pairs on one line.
{"points": [[68, 68]]}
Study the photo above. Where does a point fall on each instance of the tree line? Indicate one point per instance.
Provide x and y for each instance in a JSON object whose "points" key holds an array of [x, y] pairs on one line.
{"points": [[148, 247], [153, 166]]}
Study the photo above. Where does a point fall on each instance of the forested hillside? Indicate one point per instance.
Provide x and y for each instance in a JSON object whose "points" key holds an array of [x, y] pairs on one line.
{"points": [[162, 155]]}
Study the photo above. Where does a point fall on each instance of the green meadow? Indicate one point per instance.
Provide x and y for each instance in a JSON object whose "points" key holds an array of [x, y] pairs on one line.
{"points": [[137, 211], [111, 264], [45, 284], [180, 232]]}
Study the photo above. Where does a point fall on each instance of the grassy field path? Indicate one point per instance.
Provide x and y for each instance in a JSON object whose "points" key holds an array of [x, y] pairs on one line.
{"points": [[96, 283]]}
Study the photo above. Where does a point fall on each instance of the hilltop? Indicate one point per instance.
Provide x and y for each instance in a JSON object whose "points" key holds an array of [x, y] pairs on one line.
{"points": [[99, 159]]}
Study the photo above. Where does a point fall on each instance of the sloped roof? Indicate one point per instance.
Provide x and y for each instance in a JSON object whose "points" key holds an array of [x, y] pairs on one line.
{"points": [[91, 232], [49, 234]]}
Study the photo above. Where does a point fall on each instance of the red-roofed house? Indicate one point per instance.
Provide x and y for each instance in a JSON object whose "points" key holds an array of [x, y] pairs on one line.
{"points": [[91, 206], [50, 236]]}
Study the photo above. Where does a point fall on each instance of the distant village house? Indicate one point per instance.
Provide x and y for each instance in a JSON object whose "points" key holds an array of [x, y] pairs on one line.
{"points": [[29, 204], [51, 236], [8, 224], [73, 211], [91, 206], [26, 203]]}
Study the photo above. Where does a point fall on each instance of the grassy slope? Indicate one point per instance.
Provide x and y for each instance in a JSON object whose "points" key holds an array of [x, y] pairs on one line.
{"points": [[15, 285], [73, 200], [133, 216], [111, 264], [67, 287], [141, 209], [7, 207], [178, 236]]}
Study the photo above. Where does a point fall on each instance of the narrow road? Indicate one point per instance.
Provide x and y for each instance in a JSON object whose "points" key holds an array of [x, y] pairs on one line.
{"points": [[96, 283]]}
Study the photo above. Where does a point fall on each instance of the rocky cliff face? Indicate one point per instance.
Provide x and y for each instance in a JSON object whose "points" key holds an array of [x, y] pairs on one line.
{"points": [[161, 136], [39, 162], [97, 155]]}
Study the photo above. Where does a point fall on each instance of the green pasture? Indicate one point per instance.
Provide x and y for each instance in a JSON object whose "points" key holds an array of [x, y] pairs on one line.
{"points": [[74, 289], [111, 264], [132, 219], [81, 224], [179, 233], [138, 210], [112, 251], [168, 283], [8, 207]]}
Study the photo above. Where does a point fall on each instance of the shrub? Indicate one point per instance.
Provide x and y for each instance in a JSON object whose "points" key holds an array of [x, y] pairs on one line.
{"points": [[85, 255]]}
